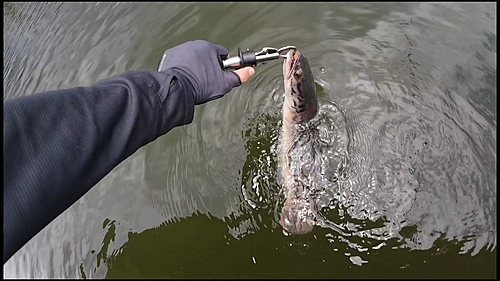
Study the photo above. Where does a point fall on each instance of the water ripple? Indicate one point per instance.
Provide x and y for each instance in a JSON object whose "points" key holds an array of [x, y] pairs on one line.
{"points": [[407, 125]]}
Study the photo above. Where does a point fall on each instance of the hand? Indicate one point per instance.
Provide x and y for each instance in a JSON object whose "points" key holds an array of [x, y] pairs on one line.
{"points": [[201, 63]]}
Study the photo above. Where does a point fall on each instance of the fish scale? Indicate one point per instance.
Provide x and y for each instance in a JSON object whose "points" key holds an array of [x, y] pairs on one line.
{"points": [[298, 137]]}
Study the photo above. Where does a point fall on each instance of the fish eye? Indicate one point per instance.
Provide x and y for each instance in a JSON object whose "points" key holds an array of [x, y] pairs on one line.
{"points": [[297, 74]]}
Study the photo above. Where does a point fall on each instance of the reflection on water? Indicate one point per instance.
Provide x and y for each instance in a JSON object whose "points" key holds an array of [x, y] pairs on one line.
{"points": [[407, 122]]}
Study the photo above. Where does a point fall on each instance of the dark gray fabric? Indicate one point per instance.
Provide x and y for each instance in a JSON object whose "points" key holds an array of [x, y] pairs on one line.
{"points": [[59, 144], [203, 68]]}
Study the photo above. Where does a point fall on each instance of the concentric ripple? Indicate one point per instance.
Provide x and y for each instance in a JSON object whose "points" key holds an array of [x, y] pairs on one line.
{"points": [[406, 128]]}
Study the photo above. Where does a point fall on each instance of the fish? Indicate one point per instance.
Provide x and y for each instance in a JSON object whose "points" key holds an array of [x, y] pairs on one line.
{"points": [[300, 106]]}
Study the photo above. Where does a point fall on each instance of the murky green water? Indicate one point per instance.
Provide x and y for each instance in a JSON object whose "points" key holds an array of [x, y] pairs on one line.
{"points": [[408, 107]]}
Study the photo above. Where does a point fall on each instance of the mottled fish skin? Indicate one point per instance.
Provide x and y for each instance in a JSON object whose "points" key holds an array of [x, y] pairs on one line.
{"points": [[301, 102], [299, 107]]}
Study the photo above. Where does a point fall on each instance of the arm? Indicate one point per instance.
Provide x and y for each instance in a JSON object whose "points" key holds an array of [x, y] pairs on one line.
{"points": [[59, 144]]}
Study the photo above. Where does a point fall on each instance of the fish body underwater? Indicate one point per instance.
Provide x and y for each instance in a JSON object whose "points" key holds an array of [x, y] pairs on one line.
{"points": [[299, 159]]}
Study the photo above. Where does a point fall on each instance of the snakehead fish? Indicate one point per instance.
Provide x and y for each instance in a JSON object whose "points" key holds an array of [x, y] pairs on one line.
{"points": [[297, 151]]}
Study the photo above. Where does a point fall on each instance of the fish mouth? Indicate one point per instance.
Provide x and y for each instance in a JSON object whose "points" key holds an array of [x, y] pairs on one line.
{"points": [[290, 62]]}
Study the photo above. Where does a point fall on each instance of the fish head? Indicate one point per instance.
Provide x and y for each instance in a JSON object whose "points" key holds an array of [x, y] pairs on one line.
{"points": [[301, 101]]}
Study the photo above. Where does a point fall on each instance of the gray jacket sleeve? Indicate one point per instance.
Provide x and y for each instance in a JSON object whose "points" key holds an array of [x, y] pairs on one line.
{"points": [[59, 144]]}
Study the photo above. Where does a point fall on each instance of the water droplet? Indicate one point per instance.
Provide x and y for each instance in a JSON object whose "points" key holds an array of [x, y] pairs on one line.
{"points": [[322, 69]]}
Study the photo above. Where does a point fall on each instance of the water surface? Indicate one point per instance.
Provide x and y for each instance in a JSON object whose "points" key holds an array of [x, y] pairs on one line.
{"points": [[407, 96]]}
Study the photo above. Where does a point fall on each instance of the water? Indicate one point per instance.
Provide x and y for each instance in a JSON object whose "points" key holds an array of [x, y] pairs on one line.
{"points": [[408, 118]]}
